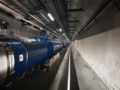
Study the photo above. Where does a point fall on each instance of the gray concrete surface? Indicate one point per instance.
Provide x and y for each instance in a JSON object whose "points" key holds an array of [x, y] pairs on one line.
{"points": [[87, 78], [56, 82], [102, 53], [99, 46]]}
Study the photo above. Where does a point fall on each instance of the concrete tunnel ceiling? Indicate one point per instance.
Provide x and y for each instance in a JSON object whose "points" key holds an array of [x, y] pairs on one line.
{"points": [[71, 17]]}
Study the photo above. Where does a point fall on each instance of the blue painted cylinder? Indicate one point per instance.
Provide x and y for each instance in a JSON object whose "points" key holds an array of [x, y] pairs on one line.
{"points": [[21, 54], [27, 55], [20, 58], [31, 51], [57, 46]]}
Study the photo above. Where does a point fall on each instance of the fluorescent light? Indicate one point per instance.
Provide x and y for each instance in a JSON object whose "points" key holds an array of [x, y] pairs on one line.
{"points": [[60, 30], [50, 16]]}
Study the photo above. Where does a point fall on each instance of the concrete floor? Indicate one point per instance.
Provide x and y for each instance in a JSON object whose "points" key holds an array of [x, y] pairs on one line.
{"points": [[87, 79], [85, 76]]}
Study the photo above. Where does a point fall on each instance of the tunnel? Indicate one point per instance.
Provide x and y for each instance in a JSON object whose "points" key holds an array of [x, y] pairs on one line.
{"points": [[59, 44]]}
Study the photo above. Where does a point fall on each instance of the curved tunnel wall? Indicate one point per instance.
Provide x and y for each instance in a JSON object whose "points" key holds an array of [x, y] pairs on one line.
{"points": [[100, 47]]}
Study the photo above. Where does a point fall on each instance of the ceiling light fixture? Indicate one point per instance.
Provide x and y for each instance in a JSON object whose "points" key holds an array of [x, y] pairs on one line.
{"points": [[50, 16], [60, 30]]}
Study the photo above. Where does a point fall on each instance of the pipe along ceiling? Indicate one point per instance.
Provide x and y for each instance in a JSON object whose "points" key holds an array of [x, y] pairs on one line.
{"points": [[65, 19]]}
